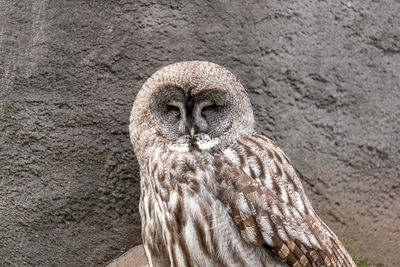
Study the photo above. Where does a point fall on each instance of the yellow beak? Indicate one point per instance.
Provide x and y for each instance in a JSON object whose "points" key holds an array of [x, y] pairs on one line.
{"points": [[191, 131]]}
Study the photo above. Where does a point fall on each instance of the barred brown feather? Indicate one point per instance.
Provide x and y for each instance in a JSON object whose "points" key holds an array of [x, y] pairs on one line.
{"points": [[214, 193], [319, 246]]}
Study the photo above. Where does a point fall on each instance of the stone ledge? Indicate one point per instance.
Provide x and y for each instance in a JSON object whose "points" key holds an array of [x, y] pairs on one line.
{"points": [[134, 257]]}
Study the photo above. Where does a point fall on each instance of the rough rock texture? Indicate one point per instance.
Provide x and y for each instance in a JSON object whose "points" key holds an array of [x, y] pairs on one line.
{"points": [[323, 77]]}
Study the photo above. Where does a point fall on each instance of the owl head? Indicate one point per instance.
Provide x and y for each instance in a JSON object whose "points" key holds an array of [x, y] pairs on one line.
{"points": [[190, 105]]}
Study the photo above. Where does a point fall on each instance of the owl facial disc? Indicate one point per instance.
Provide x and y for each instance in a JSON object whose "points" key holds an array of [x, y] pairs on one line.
{"points": [[186, 118], [192, 104]]}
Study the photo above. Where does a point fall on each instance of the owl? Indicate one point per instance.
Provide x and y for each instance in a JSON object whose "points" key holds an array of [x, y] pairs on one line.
{"points": [[213, 191]]}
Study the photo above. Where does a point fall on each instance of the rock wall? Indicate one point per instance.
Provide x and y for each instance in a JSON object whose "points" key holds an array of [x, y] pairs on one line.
{"points": [[323, 77]]}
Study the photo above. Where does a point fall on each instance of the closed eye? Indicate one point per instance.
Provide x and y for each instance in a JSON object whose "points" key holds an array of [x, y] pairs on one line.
{"points": [[173, 111], [207, 111], [172, 108], [210, 108]]}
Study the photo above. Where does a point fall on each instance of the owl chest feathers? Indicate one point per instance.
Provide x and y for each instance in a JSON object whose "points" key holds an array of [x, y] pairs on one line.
{"points": [[189, 208], [240, 206]]}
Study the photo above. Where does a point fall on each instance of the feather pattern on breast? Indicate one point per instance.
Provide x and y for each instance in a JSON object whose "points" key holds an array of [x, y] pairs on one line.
{"points": [[196, 227]]}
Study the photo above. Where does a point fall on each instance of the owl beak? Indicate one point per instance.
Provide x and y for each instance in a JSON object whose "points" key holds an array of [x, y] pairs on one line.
{"points": [[191, 131]]}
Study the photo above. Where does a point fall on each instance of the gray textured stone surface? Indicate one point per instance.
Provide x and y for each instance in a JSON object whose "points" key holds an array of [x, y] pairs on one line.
{"points": [[323, 77]]}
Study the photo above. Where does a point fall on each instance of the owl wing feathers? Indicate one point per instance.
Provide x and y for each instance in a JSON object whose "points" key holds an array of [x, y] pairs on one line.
{"points": [[269, 207]]}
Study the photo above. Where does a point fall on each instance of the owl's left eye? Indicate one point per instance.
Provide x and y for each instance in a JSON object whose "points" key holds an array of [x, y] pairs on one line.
{"points": [[209, 109]]}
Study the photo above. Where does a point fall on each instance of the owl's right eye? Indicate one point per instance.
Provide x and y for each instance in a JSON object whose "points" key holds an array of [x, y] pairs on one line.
{"points": [[173, 111]]}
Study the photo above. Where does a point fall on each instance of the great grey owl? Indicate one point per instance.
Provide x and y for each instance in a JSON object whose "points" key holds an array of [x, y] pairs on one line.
{"points": [[213, 191]]}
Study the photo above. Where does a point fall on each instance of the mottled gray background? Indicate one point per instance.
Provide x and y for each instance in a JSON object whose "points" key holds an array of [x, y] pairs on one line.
{"points": [[323, 77]]}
